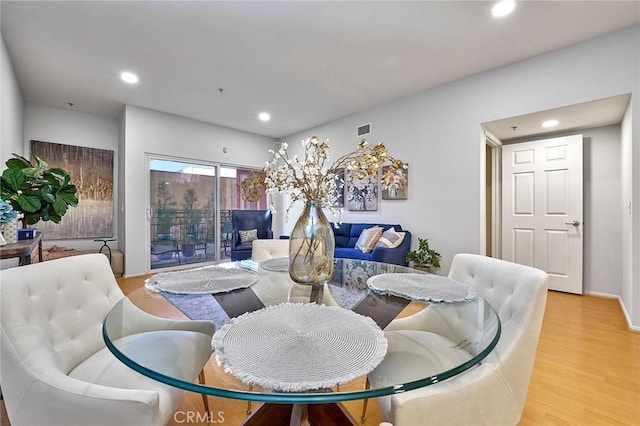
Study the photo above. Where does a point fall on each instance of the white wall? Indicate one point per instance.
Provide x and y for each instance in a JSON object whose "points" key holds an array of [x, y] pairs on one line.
{"points": [[626, 171], [147, 131], [633, 256], [11, 112], [121, 188], [602, 206], [11, 108], [438, 133]]}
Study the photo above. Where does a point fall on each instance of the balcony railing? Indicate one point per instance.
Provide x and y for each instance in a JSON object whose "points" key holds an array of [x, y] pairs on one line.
{"points": [[187, 236]]}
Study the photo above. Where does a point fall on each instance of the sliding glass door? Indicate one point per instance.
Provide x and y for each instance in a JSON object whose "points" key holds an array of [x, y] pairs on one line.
{"points": [[189, 211]]}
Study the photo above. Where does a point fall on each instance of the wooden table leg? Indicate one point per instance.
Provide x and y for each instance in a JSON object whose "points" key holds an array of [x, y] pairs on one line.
{"points": [[331, 414], [269, 414]]}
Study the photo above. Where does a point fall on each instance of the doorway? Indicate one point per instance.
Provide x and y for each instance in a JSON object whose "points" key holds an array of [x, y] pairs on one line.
{"points": [[542, 208]]}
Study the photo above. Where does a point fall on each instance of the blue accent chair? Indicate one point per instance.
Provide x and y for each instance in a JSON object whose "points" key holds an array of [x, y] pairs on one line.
{"points": [[245, 220]]}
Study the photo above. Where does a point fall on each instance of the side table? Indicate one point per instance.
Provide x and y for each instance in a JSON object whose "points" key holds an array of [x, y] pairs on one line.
{"points": [[105, 243], [23, 249]]}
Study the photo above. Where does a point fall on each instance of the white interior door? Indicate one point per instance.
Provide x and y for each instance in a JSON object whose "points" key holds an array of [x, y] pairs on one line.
{"points": [[542, 208]]}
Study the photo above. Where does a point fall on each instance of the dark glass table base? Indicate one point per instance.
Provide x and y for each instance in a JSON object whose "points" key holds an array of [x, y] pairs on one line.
{"points": [[333, 414]]}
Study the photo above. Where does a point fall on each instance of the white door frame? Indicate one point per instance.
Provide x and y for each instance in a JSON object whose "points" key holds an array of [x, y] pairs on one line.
{"points": [[496, 194]]}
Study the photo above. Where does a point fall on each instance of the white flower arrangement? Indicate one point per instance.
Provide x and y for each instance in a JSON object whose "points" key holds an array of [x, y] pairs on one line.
{"points": [[311, 180]]}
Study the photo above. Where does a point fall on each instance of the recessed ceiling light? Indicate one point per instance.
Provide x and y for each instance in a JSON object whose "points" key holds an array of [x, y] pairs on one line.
{"points": [[503, 8], [550, 123], [129, 77], [264, 116]]}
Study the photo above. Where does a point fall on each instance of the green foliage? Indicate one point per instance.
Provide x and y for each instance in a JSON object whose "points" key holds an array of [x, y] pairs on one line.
{"points": [[39, 192], [193, 215], [424, 256], [189, 199], [165, 209]]}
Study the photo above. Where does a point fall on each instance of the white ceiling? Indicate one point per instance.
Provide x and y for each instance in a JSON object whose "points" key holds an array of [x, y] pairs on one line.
{"points": [[596, 113], [307, 63]]}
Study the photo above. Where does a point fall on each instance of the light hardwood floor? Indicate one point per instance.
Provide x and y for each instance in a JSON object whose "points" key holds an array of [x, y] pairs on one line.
{"points": [[587, 369]]}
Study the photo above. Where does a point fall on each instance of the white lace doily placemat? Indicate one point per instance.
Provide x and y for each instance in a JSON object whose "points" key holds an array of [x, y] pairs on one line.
{"points": [[211, 279], [295, 347], [423, 287], [278, 264]]}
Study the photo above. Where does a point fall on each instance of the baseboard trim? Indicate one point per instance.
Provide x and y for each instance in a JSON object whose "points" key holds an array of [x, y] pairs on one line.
{"points": [[603, 295], [135, 275], [634, 328]]}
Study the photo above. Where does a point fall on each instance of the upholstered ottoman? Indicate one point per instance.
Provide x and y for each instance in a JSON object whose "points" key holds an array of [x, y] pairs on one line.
{"points": [[56, 252], [117, 262]]}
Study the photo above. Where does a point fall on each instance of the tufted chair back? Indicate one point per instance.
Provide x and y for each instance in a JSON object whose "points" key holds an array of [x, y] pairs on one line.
{"points": [[269, 249], [56, 368], [494, 392], [53, 311], [514, 291]]}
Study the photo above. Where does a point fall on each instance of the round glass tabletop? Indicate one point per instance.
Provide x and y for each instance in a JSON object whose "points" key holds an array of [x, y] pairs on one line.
{"points": [[425, 342]]}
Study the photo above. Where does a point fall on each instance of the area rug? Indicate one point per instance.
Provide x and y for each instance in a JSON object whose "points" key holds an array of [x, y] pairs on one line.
{"points": [[199, 302], [199, 307], [206, 307]]}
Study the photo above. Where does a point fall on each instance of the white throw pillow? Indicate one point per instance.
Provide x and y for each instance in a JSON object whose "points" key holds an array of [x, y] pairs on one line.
{"points": [[248, 236], [390, 238], [368, 239]]}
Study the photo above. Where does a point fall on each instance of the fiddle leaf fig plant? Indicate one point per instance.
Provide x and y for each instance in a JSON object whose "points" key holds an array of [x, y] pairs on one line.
{"points": [[424, 257], [39, 192]]}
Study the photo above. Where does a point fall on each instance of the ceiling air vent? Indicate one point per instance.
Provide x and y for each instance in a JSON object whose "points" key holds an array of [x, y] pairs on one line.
{"points": [[365, 129]]}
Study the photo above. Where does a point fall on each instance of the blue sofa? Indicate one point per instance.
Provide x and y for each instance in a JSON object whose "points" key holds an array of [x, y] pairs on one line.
{"points": [[346, 236]]}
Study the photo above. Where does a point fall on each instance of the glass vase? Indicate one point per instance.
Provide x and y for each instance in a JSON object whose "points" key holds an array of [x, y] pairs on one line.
{"points": [[311, 246]]}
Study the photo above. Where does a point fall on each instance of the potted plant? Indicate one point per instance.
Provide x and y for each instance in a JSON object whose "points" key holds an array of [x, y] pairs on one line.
{"points": [[39, 192], [425, 258]]}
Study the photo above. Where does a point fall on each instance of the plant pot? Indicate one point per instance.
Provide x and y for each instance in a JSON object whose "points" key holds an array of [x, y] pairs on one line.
{"points": [[10, 231]]}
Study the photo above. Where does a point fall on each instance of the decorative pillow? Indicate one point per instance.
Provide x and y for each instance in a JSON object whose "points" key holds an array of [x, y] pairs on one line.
{"points": [[390, 238], [368, 239], [248, 236]]}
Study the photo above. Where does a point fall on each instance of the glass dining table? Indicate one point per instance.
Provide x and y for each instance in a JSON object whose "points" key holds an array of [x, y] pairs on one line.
{"points": [[291, 345]]}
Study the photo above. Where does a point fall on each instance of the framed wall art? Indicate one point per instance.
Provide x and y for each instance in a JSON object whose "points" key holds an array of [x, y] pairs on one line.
{"points": [[398, 186], [91, 170], [361, 194]]}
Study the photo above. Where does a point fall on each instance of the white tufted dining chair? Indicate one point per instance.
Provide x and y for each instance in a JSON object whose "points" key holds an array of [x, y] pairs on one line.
{"points": [[494, 392], [55, 367], [269, 249]]}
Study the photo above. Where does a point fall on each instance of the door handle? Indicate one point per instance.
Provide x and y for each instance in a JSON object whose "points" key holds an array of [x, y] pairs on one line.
{"points": [[573, 222]]}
